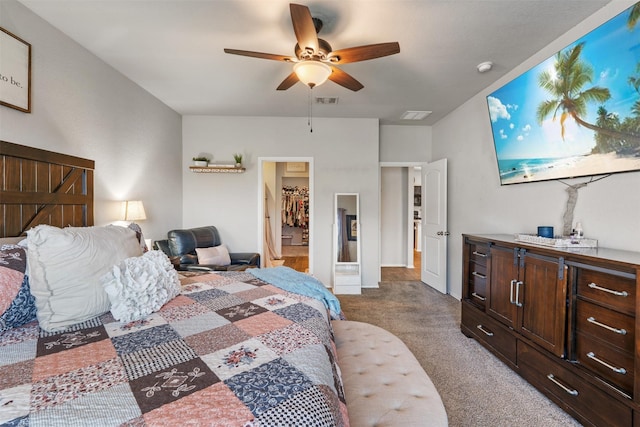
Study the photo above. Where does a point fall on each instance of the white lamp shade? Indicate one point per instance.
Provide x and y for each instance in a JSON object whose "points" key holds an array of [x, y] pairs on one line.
{"points": [[134, 210], [311, 72]]}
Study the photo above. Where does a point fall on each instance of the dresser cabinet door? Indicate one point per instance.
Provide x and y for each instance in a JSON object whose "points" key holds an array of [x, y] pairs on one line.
{"points": [[502, 285], [543, 300]]}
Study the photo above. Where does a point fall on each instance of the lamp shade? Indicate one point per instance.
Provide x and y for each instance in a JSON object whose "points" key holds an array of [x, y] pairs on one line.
{"points": [[311, 72], [134, 210]]}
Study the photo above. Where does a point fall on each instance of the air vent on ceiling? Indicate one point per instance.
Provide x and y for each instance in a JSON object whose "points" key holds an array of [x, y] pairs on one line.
{"points": [[327, 100], [415, 115]]}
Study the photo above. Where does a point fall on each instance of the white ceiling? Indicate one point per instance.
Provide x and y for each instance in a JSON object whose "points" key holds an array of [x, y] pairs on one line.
{"points": [[174, 49]]}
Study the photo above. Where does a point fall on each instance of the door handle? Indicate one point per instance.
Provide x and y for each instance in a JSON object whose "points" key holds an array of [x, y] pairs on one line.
{"points": [[517, 302], [442, 233]]}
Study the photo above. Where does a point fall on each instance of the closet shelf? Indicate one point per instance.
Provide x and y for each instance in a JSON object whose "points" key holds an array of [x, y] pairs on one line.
{"points": [[216, 169]]}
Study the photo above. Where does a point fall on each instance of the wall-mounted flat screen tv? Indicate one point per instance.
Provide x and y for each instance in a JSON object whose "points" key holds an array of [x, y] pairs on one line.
{"points": [[577, 113]]}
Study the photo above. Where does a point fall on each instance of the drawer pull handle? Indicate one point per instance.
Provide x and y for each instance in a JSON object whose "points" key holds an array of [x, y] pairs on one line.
{"points": [[481, 298], [611, 291], [475, 273], [591, 355], [480, 254], [511, 300], [607, 327], [517, 302], [487, 333], [562, 386]]}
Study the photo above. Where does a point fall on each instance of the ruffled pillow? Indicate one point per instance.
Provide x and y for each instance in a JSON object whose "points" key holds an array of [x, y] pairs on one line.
{"points": [[17, 305], [139, 286]]}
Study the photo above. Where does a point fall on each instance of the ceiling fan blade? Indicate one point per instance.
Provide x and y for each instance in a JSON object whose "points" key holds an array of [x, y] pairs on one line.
{"points": [[289, 81], [343, 79], [259, 55], [363, 53], [303, 27]]}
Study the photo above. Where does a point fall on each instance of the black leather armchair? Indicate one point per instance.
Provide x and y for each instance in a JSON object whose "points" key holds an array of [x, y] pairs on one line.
{"points": [[180, 246]]}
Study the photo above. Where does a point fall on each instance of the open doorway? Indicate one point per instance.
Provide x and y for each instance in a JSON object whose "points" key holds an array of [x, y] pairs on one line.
{"points": [[294, 211], [401, 222], [396, 193], [287, 188]]}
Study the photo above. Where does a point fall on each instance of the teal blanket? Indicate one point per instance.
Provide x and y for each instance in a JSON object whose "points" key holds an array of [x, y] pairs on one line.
{"points": [[291, 280]]}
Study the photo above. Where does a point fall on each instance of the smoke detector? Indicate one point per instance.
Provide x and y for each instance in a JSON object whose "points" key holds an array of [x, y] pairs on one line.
{"points": [[483, 67]]}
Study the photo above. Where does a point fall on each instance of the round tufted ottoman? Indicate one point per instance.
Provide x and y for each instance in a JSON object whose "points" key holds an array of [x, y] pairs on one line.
{"points": [[384, 384]]}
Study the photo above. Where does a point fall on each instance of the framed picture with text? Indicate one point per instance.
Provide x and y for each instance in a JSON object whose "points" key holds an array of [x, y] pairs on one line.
{"points": [[15, 72]]}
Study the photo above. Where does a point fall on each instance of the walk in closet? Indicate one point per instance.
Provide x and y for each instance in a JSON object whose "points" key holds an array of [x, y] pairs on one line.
{"points": [[295, 214]]}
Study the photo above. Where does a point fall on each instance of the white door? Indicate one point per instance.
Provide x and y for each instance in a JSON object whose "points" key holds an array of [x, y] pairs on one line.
{"points": [[434, 225]]}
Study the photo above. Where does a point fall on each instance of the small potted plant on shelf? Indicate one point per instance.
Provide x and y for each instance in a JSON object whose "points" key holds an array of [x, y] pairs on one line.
{"points": [[238, 158], [201, 161]]}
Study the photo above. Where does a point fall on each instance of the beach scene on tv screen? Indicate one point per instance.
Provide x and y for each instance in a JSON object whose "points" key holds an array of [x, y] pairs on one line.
{"points": [[575, 114]]}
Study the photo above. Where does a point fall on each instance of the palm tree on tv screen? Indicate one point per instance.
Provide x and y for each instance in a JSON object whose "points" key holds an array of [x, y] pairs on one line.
{"points": [[569, 100], [634, 15]]}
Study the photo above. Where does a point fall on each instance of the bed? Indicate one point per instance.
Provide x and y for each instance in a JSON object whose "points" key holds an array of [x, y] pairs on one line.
{"points": [[224, 348]]}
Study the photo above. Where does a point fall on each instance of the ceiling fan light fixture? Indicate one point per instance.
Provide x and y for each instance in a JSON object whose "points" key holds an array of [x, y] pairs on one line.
{"points": [[311, 72]]}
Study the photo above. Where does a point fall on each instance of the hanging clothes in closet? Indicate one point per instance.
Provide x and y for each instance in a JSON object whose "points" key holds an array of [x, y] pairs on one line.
{"points": [[295, 206]]}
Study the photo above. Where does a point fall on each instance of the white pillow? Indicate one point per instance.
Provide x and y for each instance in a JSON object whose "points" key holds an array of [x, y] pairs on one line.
{"points": [[216, 255], [65, 266], [141, 285]]}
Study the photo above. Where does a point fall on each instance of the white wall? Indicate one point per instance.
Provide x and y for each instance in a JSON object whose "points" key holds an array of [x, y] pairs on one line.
{"points": [[83, 107], [345, 160], [405, 143], [393, 217], [400, 147], [609, 209]]}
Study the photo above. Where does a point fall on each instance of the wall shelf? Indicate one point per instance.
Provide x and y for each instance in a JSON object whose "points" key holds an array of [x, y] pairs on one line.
{"points": [[216, 169]]}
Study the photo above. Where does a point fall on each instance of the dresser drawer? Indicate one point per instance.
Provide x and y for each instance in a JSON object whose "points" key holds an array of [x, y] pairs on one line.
{"points": [[479, 252], [585, 400], [615, 328], [490, 332], [477, 284], [607, 288], [610, 364]]}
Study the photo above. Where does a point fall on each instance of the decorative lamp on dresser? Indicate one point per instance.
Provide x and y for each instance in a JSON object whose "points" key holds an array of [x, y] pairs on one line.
{"points": [[562, 318]]}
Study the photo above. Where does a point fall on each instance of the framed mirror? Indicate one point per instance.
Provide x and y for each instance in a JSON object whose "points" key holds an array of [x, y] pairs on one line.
{"points": [[347, 241]]}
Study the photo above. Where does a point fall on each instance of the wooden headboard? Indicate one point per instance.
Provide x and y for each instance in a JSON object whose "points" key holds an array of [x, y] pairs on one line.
{"points": [[43, 187]]}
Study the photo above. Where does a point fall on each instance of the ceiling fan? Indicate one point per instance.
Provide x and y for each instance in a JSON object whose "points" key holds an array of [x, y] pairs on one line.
{"points": [[314, 60]]}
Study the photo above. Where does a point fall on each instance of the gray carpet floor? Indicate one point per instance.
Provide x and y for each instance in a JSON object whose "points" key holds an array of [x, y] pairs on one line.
{"points": [[476, 388]]}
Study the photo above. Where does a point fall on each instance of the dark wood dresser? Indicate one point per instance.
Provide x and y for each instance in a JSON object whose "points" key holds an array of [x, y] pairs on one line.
{"points": [[564, 319]]}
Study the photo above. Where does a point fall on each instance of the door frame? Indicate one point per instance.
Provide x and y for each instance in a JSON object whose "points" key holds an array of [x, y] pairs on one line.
{"points": [[261, 195], [409, 230]]}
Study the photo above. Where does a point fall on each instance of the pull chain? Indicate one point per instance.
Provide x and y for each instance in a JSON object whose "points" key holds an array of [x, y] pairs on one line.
{"points": [[310, 112]]}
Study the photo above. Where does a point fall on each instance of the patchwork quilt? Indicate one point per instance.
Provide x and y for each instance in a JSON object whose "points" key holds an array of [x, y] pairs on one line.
{"points": [[231, 350]]}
